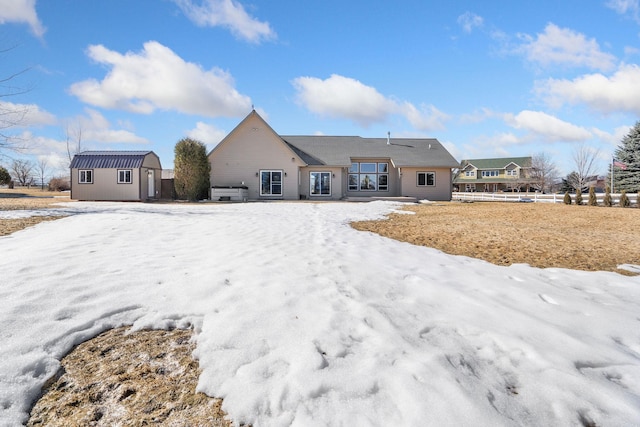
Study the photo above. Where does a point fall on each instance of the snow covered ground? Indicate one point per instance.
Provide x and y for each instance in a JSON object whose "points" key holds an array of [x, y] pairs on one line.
{"points": [[303, 321]]}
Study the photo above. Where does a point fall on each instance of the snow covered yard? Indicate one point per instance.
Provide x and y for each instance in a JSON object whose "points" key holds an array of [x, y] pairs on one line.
{"points": [[302, 320]]}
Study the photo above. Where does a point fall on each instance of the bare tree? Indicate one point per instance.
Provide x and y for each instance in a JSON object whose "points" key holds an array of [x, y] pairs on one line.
{"points": [[74, 141], [543, 172], [584, 160], [22, 171], [42, 168], [10, 114]]}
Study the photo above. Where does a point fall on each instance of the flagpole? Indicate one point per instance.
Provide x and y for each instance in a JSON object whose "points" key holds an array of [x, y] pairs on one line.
{"points": [[612, 159]]}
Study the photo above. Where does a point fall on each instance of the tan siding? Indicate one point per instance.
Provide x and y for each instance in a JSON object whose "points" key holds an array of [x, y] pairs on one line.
{"points": [[253, 147], [337, 182], [441, 191], [105, 186]]}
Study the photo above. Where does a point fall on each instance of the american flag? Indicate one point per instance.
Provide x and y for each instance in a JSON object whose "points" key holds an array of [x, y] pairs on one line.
{"points": [[619, 164]]}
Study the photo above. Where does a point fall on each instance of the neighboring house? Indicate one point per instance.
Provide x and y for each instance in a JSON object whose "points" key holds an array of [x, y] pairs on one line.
{"points": [[266, 166], [115, 175], [502, 174]]}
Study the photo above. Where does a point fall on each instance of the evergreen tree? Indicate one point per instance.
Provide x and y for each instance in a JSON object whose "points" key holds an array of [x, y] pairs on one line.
{"points": [[567, 198], [624, 199], [607, 198], [191, 170], [578, 196], [5, 176], [627, 176], [593, 200]]}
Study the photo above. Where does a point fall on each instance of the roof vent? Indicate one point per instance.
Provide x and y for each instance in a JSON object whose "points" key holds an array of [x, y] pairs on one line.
{"points": [[388, 138]]}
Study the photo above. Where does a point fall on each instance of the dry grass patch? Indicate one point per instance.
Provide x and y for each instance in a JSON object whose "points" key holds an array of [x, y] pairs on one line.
{"points": [[137, 379], [27, 199], [540, 234]]}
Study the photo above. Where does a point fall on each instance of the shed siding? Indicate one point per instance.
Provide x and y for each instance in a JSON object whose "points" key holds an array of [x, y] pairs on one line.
{"points": [[253, 147], [105, 186]]}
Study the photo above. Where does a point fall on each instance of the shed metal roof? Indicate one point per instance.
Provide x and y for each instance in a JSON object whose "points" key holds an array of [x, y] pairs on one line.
{"points": [[109, 159], [340, 150]]}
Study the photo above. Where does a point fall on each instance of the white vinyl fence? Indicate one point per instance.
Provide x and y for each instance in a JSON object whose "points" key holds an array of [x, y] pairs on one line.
{"points": [[534, 197]]}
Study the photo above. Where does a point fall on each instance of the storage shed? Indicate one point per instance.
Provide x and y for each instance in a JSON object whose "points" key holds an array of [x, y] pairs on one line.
{"points": [[115, 176]]}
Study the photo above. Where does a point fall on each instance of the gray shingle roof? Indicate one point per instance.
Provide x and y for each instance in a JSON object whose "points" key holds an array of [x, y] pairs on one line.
{"points": [[109, 159], [340, 150]]}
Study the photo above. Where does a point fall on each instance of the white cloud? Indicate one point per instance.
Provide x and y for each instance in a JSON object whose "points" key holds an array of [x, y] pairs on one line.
{"points": [[630, 8], [229, 14], [24, 115], [94, 127], [344, 97], [469, 20], [206, 133], [563, 46], [21, 11], [542, 125], [157, 78], [617, 93]]}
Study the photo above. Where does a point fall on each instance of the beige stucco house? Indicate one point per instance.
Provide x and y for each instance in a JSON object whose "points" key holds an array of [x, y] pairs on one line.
{"points": [[115, 175], [263, 165]]}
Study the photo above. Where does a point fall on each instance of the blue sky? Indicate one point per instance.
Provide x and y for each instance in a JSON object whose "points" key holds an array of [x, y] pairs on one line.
{"points": [[488, 79]]}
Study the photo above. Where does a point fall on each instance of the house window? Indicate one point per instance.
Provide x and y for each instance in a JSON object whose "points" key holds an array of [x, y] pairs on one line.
{"points": [[426, 179], [85, 176], [271, 183], [124, 176], [512, 172], [320, 183], [487, 174], [470, 173], [368, 176]]}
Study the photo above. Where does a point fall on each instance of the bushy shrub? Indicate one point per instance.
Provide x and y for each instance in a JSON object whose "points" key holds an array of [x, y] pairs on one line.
{"points": [[578, 197], [567, 198], [607, 201], [59, 184], [593, 200], [624, 199]]}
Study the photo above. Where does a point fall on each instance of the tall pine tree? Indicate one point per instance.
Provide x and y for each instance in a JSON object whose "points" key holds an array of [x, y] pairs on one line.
{"points": [[627, 177]]}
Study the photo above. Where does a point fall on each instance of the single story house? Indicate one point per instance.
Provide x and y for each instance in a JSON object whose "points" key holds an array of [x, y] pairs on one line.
{"points": [[262, 165], [493, 175], [115, 175]]}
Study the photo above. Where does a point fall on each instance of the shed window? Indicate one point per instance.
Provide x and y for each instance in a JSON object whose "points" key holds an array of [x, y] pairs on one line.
{"points": [[426, 179], [124, 176], [85, 176]]}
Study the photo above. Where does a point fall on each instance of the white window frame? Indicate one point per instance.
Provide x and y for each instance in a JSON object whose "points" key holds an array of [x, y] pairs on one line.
{"points": [[469, 173], [426, 180], [490, 173], [271, 182], [371, 172], [512, 172], [123, 178], [318, 179], [85, 176]]}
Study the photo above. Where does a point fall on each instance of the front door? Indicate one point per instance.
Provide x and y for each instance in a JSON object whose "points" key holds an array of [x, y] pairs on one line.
{"points": [[151, 186]]}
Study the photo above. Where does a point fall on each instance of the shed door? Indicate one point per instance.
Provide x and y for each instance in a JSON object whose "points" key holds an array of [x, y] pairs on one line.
{"points": [[151, 188]]}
